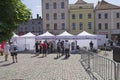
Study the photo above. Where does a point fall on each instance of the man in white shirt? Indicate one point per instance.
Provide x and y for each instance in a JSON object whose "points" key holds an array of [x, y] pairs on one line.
{"points": [[67, 48]]}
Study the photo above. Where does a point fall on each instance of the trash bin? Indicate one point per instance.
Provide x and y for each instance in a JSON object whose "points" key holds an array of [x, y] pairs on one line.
{"points": [[116, 53]]}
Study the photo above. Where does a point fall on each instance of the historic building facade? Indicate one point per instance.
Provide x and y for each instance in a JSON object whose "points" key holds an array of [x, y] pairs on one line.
{"points": [[55, 16], [33, 25], [107, 19], [81, 16]]}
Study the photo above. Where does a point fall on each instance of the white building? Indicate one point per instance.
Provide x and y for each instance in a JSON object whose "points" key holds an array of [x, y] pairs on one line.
{"points": [[107, 19], [55, 16]]}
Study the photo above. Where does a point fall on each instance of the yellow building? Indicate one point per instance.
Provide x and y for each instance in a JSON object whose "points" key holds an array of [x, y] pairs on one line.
{"points": [[81, 16]]}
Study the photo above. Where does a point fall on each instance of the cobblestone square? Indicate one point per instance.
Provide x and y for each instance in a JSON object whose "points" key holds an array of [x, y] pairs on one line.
{"points": [[31, 67]]}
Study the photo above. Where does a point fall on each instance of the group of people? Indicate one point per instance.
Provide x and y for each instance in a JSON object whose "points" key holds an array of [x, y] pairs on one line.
{"points": [[8, 48], [44, 48], [63, 48]]}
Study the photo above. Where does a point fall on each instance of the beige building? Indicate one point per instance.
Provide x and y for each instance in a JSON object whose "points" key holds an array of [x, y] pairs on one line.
{"points": [[107, 19], [55, 15], [81, 17]]}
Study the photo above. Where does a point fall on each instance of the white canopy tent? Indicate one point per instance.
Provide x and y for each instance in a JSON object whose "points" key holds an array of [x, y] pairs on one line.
{"points": [[44, 36], [101, 40], [86, 35], [14, 38], [84, 38], [26, 41], [65, 35]]}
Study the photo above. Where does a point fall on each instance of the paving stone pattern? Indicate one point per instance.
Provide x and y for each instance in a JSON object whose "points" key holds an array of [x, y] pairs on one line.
{"points": [[31, 67]]}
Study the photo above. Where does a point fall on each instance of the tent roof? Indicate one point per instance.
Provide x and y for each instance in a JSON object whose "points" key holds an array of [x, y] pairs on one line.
{"points": [[28, 35], [84, 33], [65, 33], [15, 35], [45, 34]]}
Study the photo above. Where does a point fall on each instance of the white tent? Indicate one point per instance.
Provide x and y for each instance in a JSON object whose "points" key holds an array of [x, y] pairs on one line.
{"points": [[84, 38], [14, 38], [26, 41], [86, 35], [65, 35], [44, 36], [101, 39]]}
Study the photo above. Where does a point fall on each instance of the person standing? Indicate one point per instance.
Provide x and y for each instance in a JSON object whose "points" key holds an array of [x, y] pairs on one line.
{"points": [[44, 47], [58, 48], [13, 50], [67, 48], [36, 47], [40, 47], [62, 47], [6, 50], [91, 45]]}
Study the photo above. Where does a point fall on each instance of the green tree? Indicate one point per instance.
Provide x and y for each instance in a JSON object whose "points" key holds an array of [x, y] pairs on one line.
{"points": [[12, 12]]}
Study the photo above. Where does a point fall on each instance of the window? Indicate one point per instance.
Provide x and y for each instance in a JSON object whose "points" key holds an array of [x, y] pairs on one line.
{"points": [[80, 7], [47, 16], [99, 16], [47, 26], [33, 29], [62, 5], [54, 5], [117, 15], [73, 16], [62, 15], [89, 16], [99, 26], [118, 25], [80, 16], [106, 35], [39, 29], [55, 26], [73, 26], [81, 26], [63, 26], [106, 15], [89, 25], [47, 5], [55, 16], [25, 28], [106, 25], [21, 29]]}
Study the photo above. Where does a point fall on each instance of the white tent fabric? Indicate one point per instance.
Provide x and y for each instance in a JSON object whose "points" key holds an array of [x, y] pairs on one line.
{"points": [[26, 41], [14, 38], [28, 35], [46, 35], [86, 35], [84, 38], [65, 35], [14, 35]]}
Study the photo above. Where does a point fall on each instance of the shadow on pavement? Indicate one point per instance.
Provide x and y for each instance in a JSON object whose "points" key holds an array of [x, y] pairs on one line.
{"points": [[2, 61], [6, 64], [65, 58]]}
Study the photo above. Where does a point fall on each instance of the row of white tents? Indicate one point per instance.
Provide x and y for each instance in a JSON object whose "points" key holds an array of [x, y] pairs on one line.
{"points": [[28, 40]]}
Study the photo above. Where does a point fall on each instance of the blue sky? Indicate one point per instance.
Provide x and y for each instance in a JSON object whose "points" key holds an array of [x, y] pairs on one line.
{"points": [[35, 5]]}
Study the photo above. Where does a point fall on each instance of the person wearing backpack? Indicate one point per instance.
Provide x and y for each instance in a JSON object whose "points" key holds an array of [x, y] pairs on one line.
{"points": [[13, 50]]}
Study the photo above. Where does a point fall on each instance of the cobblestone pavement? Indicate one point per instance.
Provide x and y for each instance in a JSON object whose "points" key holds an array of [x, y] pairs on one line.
{"points": [[31, 67], [107, 54]]}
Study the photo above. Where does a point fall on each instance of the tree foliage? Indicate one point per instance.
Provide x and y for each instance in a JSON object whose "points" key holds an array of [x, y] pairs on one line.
{"points": [[12, 12]]}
